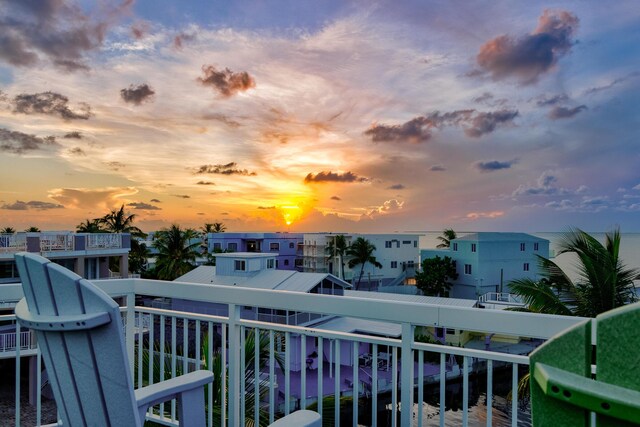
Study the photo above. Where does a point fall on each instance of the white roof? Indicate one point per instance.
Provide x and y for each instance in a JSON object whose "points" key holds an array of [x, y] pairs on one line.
{"points": [[383, 296], [354, 325], [280, 280], [246, 255], [491, 236]]}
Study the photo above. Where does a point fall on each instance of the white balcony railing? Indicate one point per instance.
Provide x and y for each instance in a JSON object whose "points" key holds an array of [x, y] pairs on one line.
{"points": [[50, 242], [351, 377], [10, 243], [104, 241], [8, 341]]}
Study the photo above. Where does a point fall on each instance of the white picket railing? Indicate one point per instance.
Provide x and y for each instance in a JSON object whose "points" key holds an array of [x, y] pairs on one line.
{"points": [[104, 241], [13, 243], [56, 242], [381, 372], [8, 341]]}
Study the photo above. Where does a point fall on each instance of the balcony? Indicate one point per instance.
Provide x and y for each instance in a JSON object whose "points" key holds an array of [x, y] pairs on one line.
{"points": [[103, 241], [353, 377], [11, 243]]}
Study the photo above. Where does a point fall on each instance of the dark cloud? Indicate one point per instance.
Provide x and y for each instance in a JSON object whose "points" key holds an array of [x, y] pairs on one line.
{"points": [[530, 56], [226, 82], [558, 112], [143, 206], [494, 165], [20, 143], [547, 101], [55, 30], [266, 207], [396, 187], [140, 29], [545, 185], [487, 96], [223, 119], [51, 104], [336, 198], [228, 169], [334, 177], [77, 151], [205, 183], [182, 196], [73, 135], [33, 204], [437, 168], [136, 95], [155, 201], [483, 123], [419, 129], [614, 83], [116, 166], [180, 39]]}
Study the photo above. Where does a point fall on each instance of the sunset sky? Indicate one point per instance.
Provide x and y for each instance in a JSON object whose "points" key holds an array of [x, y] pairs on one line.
{"points": [[321, 115]]}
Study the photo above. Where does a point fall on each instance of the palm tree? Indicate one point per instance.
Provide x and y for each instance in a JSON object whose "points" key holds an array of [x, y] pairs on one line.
{"points": [[338, 246], [90, 226], [32, 229], [360, 253], [117, 221], [176, 251], [219, 227], [604, 282], [447, 236], [8, 230], [138, 257]]}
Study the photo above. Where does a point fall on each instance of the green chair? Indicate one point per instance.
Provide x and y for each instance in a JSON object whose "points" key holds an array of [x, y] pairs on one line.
{"points": [[565, 391]]}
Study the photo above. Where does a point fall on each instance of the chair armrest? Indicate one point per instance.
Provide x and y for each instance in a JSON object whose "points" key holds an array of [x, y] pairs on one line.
{"points": [[302, 418], [170, 389]]}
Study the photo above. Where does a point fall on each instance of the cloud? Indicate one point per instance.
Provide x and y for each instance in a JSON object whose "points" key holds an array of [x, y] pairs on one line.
{"points": [[143, 206], [20, 143], [396, 187], [205, 183], [547, 101], [140, 29], [77, 151], [55, 30], [226, 82], [222, 119], [336, 198], [437, 168], [329, 176], [544, 186], [419, 129], [181, 38], [50, 104], [136, 95], [89, 198], [115, 166], [73, 135], [613, 83], [486, 96], [559, 112], [530, 56], [227, 169], [478, 215], [636, 187], [182, 196], [33, 204], [494, 165], [266, 207], [388, 207], [155, 201]]}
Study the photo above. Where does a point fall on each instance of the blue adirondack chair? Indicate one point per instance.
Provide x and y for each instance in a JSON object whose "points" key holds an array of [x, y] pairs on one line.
{"points": [[79, 331]]}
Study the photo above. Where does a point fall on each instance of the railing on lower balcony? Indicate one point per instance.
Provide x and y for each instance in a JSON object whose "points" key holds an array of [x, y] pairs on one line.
{"points": [[10, 243], [9, 342], [104, 241], [56, 242], [350, 377]]}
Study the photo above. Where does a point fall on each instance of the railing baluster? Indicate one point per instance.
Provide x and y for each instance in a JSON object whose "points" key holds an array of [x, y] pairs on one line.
{"points": [[256, 376], [287, 373], [420, 386], [406, 397], [174, 349], [355, 383], [162, 344], [243, 374], [140, 348], [465, 391], [17, 377], [303, 370], [223, 349], [185, 346], [235, 378], [272, 378], [374, 385], [336, 377], [320, 373], [443, 382], [489, 392], [209, 361], [514, 396], [198, 363], [38, 387], [394, 388]]}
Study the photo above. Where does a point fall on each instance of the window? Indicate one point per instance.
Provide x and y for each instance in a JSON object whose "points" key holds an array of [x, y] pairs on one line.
{"points": [[394, 264], [232, 247], [526, 266], [410, 264], [298, 262], [406, 242], [455, 246], [291, 245], [536, 246], [415, 243], [522, 247], [240, 265], [467, 269], [274, 246], [387, 244], [286, 262], [271, 263], [217, 246], [473, 247]]}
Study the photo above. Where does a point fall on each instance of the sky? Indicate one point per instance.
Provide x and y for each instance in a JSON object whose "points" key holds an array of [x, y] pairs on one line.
{"points": [[345, 116]]}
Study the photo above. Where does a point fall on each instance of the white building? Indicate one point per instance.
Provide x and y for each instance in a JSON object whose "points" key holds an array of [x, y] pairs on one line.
{"points": [[486, 262], [397, 253]]}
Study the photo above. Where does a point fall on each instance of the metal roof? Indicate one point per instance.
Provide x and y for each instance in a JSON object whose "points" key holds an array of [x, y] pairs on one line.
{"points": [[499, 237], [383, 296], [354, 325]]}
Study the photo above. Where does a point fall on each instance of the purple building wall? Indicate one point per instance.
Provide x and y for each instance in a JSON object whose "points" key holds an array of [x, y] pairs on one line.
{"points": [[286, 245]]}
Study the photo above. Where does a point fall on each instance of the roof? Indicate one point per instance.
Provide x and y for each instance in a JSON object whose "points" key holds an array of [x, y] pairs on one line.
{"points": [[421, 299], [354, 325], [279, 280], [245, 255], [499, 237]]}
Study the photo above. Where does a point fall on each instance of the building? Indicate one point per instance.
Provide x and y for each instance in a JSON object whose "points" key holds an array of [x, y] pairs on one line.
{"points": [[86, 254], [486, 262], [398, 254], [287, 247]]}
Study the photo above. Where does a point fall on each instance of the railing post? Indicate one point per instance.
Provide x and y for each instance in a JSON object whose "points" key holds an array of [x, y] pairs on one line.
{"points": [[234, 365], [130, 329], [406, 377]]}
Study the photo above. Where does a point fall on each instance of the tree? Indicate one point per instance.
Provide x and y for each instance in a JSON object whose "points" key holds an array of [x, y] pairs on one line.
{"points": [[447, 236], [8, 230], [360, 253], [176, 251], [138, 257], [90, 226], [32, 229], [604, 282], [436, 275], [118, 221], [338, 246]]}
